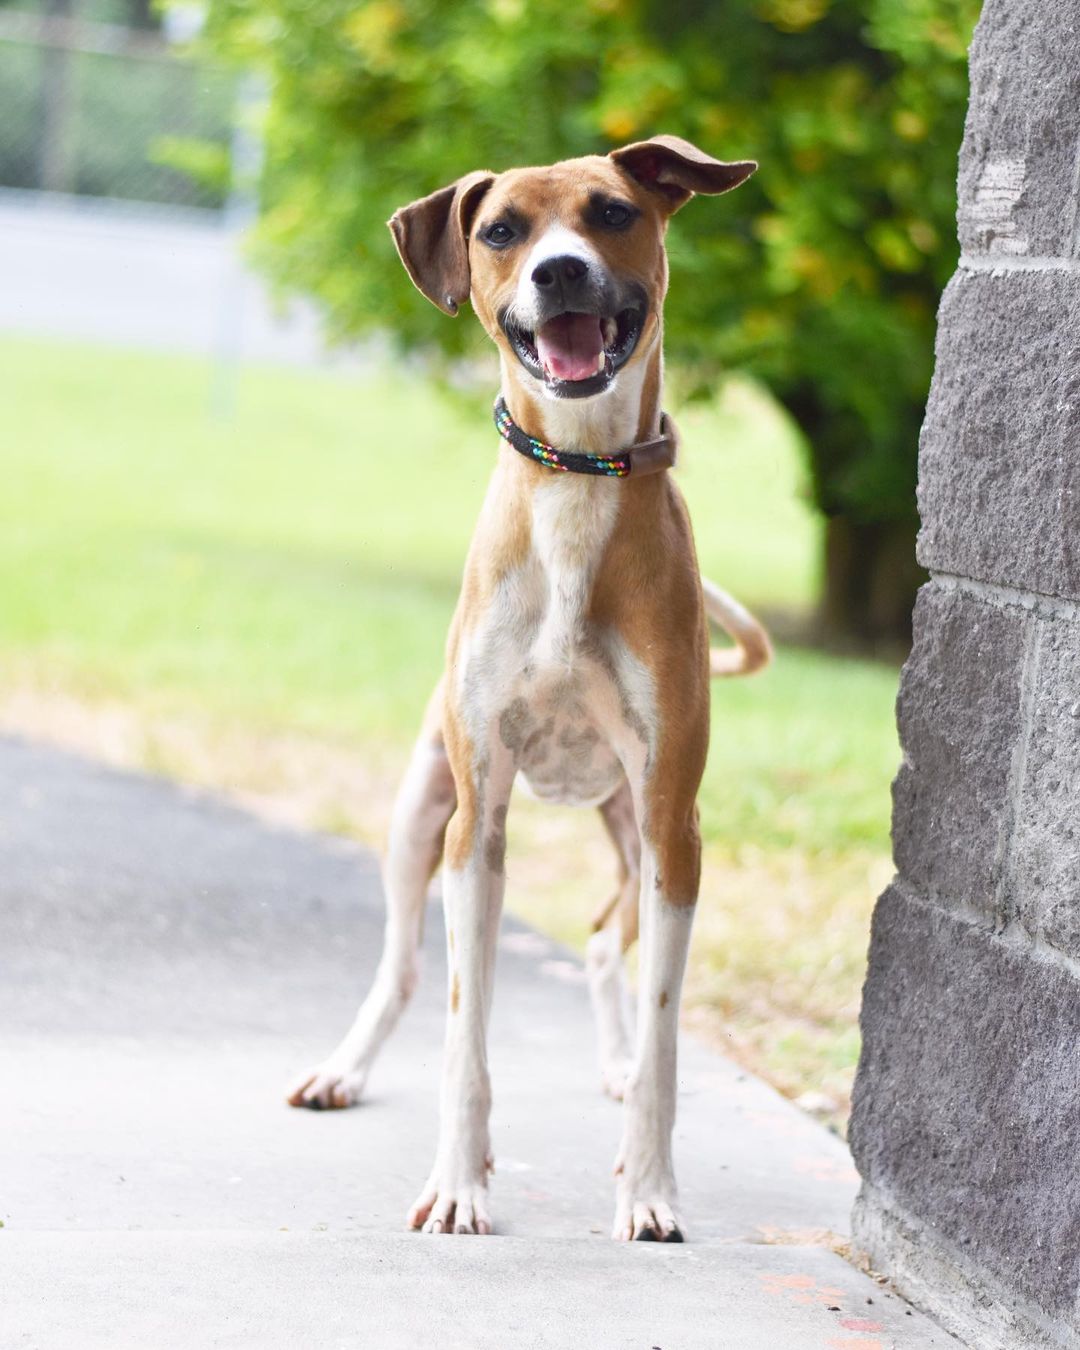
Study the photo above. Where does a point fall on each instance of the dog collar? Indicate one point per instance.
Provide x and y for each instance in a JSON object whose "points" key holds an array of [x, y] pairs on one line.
{"points": [[639, 459]]}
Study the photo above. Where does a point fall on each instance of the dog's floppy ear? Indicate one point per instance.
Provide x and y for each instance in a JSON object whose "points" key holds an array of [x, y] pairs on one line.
{"points": [[676, 169], [432, 236]]}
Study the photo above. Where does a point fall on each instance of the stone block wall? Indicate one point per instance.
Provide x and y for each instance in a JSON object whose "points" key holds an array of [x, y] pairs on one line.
{"points": [[966, 1123]]}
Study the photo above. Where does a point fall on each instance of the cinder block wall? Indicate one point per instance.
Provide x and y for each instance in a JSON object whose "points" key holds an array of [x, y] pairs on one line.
{"points": [[966, 1124]]}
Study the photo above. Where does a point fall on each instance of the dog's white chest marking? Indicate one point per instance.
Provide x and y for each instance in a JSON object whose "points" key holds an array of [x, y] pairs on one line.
{"points": [[572, 520], [563, 694]]}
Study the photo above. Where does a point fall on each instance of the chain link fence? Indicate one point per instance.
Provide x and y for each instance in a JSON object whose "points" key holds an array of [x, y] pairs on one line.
{"points": [[107, 109]]}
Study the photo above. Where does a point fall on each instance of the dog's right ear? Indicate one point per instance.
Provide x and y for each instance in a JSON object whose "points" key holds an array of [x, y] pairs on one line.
{"points": [[675, 169], [432, 236]]}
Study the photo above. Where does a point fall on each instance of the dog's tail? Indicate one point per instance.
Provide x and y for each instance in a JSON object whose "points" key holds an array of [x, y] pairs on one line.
{"points": [[752, 650]]}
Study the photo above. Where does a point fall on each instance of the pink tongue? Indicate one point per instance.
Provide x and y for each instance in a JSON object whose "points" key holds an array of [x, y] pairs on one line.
{"points": [[569, 347]]}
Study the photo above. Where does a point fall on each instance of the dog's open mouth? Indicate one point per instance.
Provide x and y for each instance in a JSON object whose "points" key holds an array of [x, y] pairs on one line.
{"points": [[577, 355]]}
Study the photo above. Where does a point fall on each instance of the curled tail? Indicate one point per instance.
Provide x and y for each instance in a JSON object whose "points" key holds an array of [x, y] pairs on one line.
{"points": [[752, 650]]}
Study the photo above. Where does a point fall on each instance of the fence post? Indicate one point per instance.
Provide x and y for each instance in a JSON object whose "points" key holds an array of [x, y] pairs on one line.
{"points": [[56, 149], [241, 211]]}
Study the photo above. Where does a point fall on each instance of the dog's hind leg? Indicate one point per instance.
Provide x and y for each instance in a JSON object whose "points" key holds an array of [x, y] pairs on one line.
{"points": [[615, 931], [424, 805]]}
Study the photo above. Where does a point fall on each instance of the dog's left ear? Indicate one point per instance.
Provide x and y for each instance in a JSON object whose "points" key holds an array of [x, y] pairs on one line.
{"points": [[676, 169], [432, 236]]}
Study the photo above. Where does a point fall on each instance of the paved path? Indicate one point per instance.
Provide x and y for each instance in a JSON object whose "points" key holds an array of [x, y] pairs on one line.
{"points": [[141, 276], [167, 963]]}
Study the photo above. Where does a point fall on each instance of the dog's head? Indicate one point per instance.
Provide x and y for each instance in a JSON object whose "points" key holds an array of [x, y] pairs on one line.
{"points": [[565, 265]]}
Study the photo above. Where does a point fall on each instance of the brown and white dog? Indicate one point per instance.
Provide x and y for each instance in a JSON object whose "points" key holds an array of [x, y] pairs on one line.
{"points": [[578, 658]]}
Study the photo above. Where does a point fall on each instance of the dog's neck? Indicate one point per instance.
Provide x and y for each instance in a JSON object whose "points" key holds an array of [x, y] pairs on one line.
{"points": [[626, 413]]}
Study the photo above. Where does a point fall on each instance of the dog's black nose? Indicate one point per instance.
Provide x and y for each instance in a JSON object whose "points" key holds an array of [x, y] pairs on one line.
{"points": [[562, 281], [565, 271]]}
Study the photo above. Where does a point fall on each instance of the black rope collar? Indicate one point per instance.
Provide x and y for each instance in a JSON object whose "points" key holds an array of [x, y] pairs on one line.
{"points": [[642, 458]]}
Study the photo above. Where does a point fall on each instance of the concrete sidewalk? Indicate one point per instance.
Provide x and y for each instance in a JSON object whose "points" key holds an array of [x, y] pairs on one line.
{"points": [[141, 276], [167, 963]]}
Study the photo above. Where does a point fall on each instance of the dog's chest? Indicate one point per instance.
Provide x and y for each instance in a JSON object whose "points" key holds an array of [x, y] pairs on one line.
{"points": [[572, 521], [543, 680], [561, 743]]}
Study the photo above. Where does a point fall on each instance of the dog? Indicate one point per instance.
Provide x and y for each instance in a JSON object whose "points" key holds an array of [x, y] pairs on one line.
{"points": [[578, 658]]}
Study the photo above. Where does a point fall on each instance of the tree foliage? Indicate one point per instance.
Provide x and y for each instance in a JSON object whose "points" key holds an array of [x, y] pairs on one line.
{"points": [[821, 276]]}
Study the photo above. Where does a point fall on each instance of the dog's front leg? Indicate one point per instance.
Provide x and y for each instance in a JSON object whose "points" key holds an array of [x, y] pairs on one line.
{"points": [[454, 1200], [646, 1198]]}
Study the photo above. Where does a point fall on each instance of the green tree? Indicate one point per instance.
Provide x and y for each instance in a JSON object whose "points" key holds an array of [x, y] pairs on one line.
{"points": [[821, 277]]}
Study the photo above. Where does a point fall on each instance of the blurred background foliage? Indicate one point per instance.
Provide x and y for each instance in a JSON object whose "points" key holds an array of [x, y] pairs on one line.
{"points": [[820, 277]]}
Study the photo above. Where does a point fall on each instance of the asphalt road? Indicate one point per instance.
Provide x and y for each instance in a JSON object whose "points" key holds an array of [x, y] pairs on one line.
{"points": [[168, 963]]}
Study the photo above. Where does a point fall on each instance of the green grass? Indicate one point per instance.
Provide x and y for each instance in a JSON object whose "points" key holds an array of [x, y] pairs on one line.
{"points": [[291, 570]]}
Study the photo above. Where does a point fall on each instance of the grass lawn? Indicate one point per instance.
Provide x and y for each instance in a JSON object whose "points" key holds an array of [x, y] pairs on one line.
{"points": [[259, 603]]}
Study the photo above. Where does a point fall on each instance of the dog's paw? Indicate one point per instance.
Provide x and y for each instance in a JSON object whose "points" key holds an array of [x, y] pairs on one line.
{"points": [[614, 1076], [646, 1207], [652, 1220], [330, 1087], [450, 1203]]}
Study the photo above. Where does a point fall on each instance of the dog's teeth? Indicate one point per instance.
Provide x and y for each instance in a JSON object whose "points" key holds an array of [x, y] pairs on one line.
{"points": [[610, 331], [601, 363]]}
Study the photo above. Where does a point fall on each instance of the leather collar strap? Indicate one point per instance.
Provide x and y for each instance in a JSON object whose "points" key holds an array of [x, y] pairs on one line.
{"points": [[636, 460]]}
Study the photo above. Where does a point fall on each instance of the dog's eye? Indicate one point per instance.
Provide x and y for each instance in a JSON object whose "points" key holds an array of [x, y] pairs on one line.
{"points": [[498, 235], [617, 215]]}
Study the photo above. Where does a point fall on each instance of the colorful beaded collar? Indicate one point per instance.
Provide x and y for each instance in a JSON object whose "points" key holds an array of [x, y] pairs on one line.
{"points": [[642, 458]]}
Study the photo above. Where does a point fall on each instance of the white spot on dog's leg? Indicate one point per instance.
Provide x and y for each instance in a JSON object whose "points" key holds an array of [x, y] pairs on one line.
{"points": [[454, 1199], [646, 1198]]}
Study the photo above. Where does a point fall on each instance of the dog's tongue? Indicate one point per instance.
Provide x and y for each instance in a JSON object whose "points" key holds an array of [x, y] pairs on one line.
{"points": [[569, 347]]}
